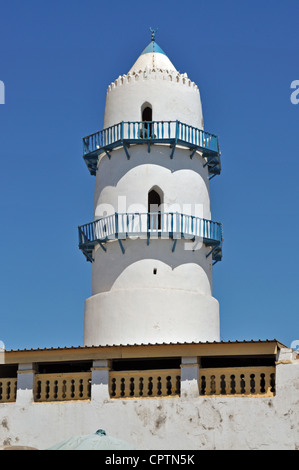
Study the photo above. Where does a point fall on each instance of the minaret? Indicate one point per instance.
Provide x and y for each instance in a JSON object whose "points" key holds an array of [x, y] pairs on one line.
{"points": [[152, 243]]}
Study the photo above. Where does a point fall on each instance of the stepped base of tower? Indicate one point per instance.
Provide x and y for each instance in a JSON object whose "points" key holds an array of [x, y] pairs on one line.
{"points": [[143, 316]]}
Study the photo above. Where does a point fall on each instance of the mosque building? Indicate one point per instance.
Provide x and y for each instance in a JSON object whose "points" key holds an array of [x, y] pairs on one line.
{"points": [[152, 370]]}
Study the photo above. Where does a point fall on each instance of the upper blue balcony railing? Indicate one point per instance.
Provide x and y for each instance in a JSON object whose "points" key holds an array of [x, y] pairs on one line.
{"points": [[173, 133], [151, 225]]}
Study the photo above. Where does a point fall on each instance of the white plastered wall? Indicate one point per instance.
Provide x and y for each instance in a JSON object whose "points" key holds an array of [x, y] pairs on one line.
{"points": [[172, 97]]}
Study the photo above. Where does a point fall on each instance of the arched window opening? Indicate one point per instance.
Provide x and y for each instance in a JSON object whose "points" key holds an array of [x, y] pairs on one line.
{"points": [[154, 209], [147, 117], [147, 114]]}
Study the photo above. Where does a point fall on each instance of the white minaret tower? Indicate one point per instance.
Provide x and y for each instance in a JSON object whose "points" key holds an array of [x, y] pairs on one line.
{"points": [[152, 243]]}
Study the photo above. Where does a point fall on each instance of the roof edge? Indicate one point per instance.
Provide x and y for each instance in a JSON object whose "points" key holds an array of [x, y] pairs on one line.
{"points": [[76, 353]]}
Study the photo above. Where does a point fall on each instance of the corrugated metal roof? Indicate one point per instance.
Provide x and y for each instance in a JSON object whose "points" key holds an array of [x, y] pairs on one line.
{"points": [[63, 348]]}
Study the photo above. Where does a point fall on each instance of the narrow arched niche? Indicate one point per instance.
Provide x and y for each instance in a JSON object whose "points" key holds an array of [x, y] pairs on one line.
{"points": [[147, 118], [146, 112], [154, 206]]}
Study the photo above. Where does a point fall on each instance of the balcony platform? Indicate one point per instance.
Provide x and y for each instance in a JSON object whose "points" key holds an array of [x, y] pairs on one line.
{"points": [[172, 133], [150, 225]]}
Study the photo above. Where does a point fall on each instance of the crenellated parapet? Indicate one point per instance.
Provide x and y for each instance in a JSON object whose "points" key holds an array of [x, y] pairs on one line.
{"points": [[154, 74]]}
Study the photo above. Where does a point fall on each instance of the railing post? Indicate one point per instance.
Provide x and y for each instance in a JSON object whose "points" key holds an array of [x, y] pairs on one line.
{"points": [[25, 384], [86, 145], [116, 224], [100, 380], [189, 377]]}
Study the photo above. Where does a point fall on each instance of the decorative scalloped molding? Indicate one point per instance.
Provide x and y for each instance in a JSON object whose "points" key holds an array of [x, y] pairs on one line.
{"points": [[154, 74]]}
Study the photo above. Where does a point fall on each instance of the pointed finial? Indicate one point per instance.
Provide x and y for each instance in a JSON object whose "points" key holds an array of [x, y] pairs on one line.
{"points": [[153, 31]]}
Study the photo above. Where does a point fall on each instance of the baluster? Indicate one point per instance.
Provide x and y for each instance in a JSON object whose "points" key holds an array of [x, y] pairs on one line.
{"points": [[150, 386], [113, 388], [242, 384], [122, 387], [232, 390], [272, 383], [81, 388], [262, 384], [203, 385], [141, 385], [37, 393], [252, 384], [212, 385], [47, 391], [222, 385], [159, 386], [55, 389], [169, 390]]}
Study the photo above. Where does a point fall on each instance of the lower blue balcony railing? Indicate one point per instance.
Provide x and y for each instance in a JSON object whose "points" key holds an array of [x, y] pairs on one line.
{"points": [[173, 133], [151, 225]]}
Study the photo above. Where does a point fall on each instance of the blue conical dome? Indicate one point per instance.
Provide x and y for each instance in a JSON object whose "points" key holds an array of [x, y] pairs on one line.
{"points": [[153, 47], [153, 57]]}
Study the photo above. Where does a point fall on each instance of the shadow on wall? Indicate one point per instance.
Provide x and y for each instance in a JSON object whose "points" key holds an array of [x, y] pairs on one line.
{"points": [[153, 265]]}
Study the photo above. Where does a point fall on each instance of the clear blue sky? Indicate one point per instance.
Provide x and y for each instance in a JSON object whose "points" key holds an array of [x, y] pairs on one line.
{"points": [[56, 60]]}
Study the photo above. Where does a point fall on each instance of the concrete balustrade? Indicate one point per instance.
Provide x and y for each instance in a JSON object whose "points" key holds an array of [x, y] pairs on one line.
{"points": [[102, 383]]}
